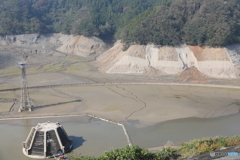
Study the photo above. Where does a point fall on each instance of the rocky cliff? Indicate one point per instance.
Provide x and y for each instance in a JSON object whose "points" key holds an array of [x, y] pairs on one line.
{"points": [[217, 62], [53, 44], [138, 59]]}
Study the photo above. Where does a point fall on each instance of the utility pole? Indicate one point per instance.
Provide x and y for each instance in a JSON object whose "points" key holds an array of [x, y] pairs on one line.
{"points": [[25, 101]]}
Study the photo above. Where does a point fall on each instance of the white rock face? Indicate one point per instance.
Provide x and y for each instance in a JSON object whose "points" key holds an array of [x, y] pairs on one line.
{"points": [[128, 64], [184, 59], [216, 62], [131, 61], [54, 44], [234, 55], [82, 46], [32, 40], [138, 59], [223, 69]]}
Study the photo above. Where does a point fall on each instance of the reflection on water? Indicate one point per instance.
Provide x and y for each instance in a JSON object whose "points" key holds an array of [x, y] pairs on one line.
{"points": [[183, 130], [89, 137], [78, 141]]}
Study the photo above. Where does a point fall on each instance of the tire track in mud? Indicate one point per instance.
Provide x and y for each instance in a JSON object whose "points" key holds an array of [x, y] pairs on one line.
{"points": [[69, 74], [70, 96], [135, 99], [80, 77], [7, 79], [120, 93], [144, 103]]}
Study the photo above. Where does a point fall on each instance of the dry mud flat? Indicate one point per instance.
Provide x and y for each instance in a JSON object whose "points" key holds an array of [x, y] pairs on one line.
{"points": [[148, 104], [145, 104]]}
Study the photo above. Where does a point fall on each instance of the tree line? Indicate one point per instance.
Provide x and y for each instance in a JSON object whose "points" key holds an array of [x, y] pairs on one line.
{"points": [[162, 22], [194, 22], [87, 17]]}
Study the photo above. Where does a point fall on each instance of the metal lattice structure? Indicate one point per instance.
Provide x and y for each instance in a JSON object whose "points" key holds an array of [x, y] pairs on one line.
{"points": [[25, 101]]}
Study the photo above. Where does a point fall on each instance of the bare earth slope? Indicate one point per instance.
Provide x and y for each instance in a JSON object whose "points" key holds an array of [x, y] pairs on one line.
{"points": [[138, 59], [217, 62], [192, 75], [82, 46], [53, 44]]}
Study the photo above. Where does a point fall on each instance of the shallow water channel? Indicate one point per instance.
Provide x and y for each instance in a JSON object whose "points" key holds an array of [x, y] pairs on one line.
{"points": [[90, 136]]}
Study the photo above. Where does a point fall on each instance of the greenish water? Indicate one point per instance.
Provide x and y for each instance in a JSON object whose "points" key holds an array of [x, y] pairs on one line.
{"points": [[89, 137], [184, 130], [93, 137]]}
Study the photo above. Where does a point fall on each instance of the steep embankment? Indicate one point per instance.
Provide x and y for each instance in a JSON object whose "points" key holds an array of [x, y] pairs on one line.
{"points": [[138, 59], [82, 46], [218, 62], [116, 61], [53, 44]]}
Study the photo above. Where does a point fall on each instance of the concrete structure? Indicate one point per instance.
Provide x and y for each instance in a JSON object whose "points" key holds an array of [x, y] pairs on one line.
{"points": [[46, 140], [25, 101]]}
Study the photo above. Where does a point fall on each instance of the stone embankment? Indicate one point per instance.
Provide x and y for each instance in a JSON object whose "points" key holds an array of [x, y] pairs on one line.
{"points": [[217, 62]]}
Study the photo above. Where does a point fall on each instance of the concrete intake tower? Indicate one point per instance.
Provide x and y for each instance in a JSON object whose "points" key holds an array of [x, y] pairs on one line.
{"points": [[46, 140]]}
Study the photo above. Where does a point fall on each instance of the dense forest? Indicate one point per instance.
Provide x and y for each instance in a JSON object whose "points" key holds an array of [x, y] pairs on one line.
{"points": [[194, 22], [87, 17], [162, 22]]}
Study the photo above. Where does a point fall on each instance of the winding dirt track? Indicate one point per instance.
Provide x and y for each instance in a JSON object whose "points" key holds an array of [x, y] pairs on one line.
{"points": [[125, 83]]}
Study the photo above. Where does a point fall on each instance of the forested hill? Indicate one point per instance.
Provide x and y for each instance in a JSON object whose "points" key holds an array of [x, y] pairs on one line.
{"points": [[162, 22], [194, 22], [88, 17]]}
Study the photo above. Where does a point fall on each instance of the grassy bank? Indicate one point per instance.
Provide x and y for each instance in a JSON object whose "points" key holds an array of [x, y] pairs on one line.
{"points": [[200, 146], [185, 150]]}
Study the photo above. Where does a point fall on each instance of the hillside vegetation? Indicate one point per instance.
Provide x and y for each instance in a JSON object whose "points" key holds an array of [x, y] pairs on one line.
{"points": [[87, 17], [162, 22], [194, 149], [194, 22]]}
